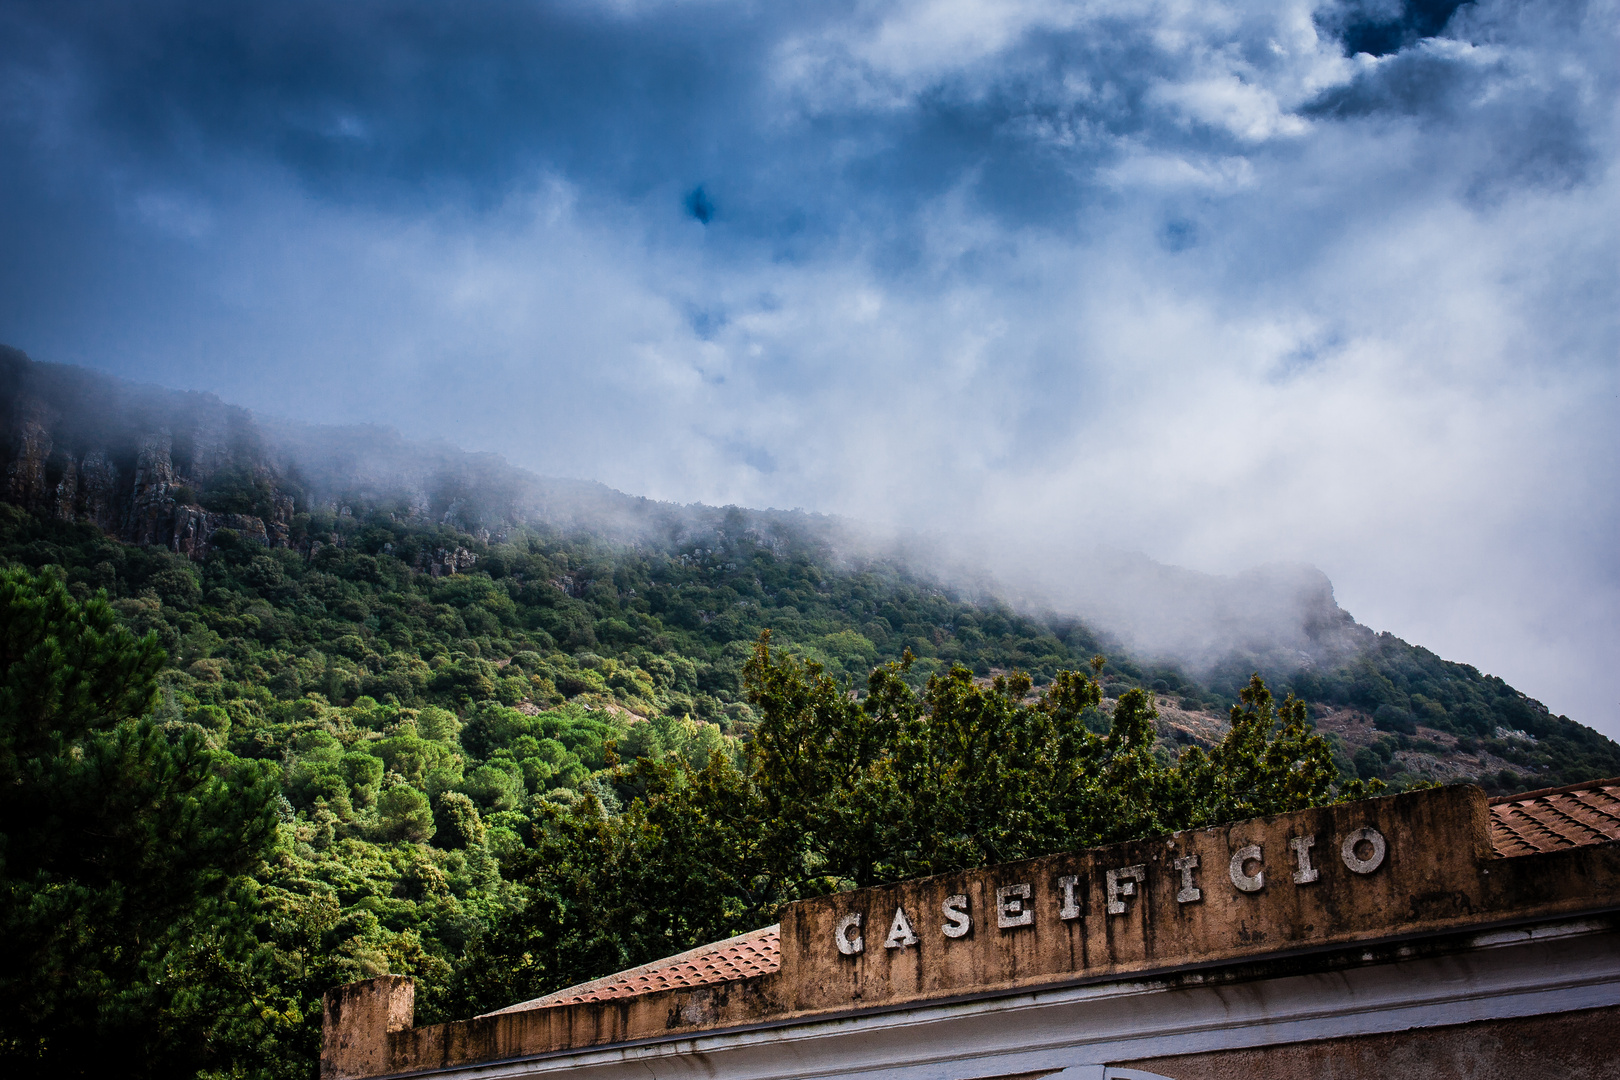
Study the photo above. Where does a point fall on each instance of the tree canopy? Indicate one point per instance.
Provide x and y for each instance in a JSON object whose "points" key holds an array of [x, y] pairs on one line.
{"points": [[839, 790], [123, 845], [236, 781]]}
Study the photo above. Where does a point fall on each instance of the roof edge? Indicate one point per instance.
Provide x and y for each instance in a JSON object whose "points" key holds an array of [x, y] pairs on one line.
{"points": [[628, 973], [1585, 785]]}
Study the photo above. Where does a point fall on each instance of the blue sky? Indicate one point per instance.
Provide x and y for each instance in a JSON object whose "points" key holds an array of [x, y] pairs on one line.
{"points": [[1227, 283]]}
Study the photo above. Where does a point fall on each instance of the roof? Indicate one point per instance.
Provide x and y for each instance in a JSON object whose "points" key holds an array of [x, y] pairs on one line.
{"points": [[1556, 818], [757, 952], [1536, 821]]}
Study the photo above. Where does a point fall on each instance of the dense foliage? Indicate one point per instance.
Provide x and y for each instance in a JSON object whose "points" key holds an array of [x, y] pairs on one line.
{"points": [[503, 766], [1404, 686], [125, 843], [837, 791]]}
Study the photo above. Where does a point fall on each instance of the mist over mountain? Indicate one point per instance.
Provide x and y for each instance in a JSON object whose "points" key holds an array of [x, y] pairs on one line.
{"points": [[179, 470], [1157, 345], [171, 468], [1276, 616], [156, 466], [444, 676]]}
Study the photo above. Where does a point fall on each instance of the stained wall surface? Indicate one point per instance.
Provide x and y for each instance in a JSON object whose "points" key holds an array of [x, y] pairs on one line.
{"points": [[1289, 892], [1330, 876], [1581, 1045]]}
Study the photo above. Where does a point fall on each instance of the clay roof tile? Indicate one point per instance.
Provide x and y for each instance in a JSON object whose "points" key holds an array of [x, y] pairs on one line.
{"points": [[757, 952], [1556, 818]]}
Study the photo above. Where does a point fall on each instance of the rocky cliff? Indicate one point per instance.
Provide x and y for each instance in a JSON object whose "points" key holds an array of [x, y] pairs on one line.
{"points": [[131, 460], [153, 466]]}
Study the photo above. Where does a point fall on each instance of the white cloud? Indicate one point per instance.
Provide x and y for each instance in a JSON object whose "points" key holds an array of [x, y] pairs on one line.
{"points": [[1378, 335]]}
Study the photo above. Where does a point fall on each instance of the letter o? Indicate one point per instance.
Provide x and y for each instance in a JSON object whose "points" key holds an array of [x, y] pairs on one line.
{"points": [[1354, 861], [847, 945]]}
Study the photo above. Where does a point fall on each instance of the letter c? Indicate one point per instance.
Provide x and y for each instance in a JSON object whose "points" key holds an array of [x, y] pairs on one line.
{"points": [[1243, 881], [847, 945]]}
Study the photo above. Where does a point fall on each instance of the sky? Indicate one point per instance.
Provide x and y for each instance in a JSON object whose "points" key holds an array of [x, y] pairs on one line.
{"points": [[1225, 283]]}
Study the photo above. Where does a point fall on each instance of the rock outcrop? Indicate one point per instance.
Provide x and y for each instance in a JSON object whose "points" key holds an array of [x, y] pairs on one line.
{"points": [[131, 460], [149, 466]]}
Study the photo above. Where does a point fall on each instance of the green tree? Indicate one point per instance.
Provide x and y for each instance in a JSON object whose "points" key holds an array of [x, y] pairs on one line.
{"points": [[122, 841], [404, 814], [1271, 762], [838, 791], [339, 658]]}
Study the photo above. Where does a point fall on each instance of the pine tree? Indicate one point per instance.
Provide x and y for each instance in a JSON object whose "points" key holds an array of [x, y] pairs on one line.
{"points": [[126, 926]]}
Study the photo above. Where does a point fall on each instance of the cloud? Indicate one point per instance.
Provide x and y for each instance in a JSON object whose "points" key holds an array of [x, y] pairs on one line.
{"points": [[1210, 281]]}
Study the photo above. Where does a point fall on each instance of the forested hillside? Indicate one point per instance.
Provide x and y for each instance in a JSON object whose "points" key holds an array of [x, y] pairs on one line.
{"points": [[504, 751]]}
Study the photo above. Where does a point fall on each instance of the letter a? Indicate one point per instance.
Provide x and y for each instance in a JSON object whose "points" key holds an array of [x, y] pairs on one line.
{"points": [[900, 934]]}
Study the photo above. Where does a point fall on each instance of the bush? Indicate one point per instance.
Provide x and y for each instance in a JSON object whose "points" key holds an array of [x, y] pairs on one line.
{"points": [[403, 814], [497, 785], [1396, 719], [440, 725], [457, 822]]}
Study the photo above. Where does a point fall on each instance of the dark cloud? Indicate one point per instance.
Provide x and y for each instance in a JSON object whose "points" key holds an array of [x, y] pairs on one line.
{"points": [[1381, 27], [411, 101], [1516, 125], [360, 96], [1227, 282], [699, 205]]}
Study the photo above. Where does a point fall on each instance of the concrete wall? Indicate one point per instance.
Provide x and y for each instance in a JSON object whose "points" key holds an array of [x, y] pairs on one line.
{"points": [[1195, 897], [1087, 1032], [1570, 1046], [357, 1020], [1290, 892]]}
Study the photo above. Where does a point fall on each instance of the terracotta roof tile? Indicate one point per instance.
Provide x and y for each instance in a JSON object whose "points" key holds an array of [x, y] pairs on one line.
{"points": [[757, 952], [1536, 821], [1556, 818]]}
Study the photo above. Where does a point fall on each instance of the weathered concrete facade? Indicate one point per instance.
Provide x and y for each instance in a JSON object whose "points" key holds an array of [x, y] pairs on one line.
{"points": [[1583, 1045], [1346, 923]]}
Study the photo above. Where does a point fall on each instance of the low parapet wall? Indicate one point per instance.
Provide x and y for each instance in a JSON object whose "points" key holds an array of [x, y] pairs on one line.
{"points": [[1405, 866]]}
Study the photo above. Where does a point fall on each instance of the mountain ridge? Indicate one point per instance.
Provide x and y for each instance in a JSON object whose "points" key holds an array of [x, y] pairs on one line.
{"points": [[181, 442], [182, 471]]}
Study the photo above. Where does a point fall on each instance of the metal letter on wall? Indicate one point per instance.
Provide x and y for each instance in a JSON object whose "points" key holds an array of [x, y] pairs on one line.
{"points": [[1188, 891], [1240, 861], [847, 945], [1070, 909], [900, 934], [1304, 872], [1375, 841], [1012, 906], [959, 922], [1122, 883]]}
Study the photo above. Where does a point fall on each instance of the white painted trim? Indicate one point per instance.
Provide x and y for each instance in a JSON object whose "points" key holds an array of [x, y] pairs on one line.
{"points": [[1079, 1030]]}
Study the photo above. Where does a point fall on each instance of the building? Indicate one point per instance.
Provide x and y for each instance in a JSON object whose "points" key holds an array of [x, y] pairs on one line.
{"points": [[1429, 934]]}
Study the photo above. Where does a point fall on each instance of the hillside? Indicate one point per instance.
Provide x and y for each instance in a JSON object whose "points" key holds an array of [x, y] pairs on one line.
{"points": [[580, 575], [439, 658]]}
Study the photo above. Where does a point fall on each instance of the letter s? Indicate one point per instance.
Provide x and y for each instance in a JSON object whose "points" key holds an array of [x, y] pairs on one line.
{"points": [[960, 922]]}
